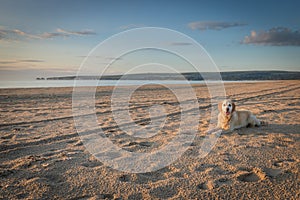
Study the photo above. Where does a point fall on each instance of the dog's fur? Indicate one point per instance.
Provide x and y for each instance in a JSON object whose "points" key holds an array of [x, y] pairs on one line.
{"points": [[229, 118]]}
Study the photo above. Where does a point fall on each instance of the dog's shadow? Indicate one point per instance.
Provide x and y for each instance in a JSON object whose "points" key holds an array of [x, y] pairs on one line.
{"points": [[283, 128], [270, 129]]}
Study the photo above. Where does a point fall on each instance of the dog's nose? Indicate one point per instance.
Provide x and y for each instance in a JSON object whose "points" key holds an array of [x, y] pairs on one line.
{"points": [[227, 109]]}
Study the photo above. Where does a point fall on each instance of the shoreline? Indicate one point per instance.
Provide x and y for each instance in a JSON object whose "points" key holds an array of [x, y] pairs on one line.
{"points": [[91, 83]]}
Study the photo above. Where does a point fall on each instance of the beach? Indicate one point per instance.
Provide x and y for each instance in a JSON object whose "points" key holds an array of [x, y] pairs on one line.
{"points": [[43, 157]]}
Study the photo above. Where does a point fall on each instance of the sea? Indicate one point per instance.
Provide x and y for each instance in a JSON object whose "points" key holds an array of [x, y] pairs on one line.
{"points": [[81, 83]]}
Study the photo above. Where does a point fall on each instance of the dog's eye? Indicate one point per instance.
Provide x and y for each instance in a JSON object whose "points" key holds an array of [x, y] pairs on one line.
{"points": [[224, 104], [229, 105]]}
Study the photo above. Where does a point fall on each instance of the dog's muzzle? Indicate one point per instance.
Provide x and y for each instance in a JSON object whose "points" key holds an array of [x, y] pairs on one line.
{"points": [[227, 111]]}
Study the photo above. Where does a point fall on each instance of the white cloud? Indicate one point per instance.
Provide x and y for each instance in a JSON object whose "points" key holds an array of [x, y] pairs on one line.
{"points": [[47, 35], [83, 32], [213, 25], [13, 34], [180, 43], [131, 26], [16, 34], [278, 36], [20, 61]]}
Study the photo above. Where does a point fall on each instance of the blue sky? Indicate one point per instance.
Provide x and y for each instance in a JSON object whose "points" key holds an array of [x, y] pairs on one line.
{"points": [[51, 38]]}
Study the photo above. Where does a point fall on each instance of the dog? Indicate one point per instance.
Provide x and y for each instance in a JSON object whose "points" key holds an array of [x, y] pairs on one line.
{"points": [[230, 119]]}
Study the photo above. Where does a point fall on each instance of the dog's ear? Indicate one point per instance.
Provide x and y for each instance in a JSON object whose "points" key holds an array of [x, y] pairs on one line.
{"points": [[220, 106], [233, 107]]}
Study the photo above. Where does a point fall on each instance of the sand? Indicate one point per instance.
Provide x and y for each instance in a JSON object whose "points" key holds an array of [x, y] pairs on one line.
{"points": [[42, 156]]}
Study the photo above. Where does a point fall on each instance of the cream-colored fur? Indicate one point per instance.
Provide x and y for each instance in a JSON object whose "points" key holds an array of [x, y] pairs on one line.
{"points": [[229, 118]]}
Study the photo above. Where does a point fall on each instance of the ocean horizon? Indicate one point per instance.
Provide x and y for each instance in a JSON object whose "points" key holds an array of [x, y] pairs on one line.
{"points": [[82, 83]]}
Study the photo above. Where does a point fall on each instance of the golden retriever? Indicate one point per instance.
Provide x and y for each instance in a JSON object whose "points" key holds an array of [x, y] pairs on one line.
{"points": [[230, 119]]}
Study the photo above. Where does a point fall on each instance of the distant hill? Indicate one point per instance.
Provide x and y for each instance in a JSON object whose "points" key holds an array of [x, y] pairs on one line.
{"points": [[226, 76]]}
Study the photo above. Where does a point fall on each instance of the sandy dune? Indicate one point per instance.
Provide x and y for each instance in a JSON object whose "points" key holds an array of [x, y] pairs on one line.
{"points": [[42, 156]]}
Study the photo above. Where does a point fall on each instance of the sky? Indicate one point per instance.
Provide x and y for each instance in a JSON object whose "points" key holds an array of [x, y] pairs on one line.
{"points": [[53, 38]]}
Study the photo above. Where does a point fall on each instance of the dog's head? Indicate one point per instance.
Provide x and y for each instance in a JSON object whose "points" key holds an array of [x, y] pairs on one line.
{"points": [[226, 107]]}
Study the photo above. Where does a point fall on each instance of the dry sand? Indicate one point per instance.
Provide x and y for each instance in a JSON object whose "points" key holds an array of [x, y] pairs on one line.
{"points": [[42, 156]]}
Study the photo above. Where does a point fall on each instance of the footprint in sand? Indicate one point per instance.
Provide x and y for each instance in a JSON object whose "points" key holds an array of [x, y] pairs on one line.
{"points": [[71, 141], [223, 181], [100, 196], [205, 167], [7, 136], [124, 178], [253, 176], [144, 144], [6, 172], [203, 186], [91, 164], [206, 185], [53, 178], [135, 196], [163, 192], [248, 177], [149, 177], [283, 163], [214, 184], [273, 172]]}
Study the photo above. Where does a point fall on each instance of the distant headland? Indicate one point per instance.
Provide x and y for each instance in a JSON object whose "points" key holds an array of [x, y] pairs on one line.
{"points": [[193, 76]]}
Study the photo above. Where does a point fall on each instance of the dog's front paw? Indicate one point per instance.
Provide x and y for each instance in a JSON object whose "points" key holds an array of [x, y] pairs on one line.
{"points": [[226, 131]]}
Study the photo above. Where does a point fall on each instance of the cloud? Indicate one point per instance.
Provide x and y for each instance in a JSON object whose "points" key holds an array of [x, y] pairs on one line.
{"points": [[83, 32], [2, 62], [131, 26], [65, 33], [31, 61], [213, 25], [180, 43], [51, 35], [13, 34], [5, 32], [16, 34], [279, 36]]}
